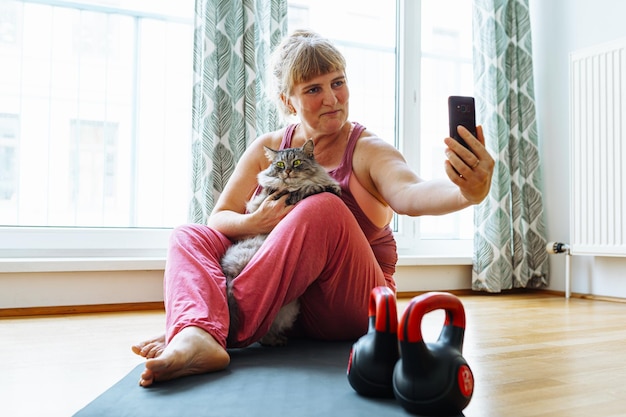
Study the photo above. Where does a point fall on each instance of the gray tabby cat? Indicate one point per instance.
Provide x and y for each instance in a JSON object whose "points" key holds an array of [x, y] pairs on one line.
{"points": [[292, 171]]}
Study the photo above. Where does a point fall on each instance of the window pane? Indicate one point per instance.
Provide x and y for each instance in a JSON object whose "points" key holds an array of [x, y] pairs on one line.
{"points": [[446, 70], [9, 125], [95, 114]]}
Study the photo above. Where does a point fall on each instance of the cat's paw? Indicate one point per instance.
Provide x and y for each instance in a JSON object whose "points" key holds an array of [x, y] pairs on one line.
{"points": [[272, 339], [335, 189]]}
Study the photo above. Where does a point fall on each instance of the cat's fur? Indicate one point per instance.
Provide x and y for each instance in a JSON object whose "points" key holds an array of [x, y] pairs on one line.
{"points": [[292, 171]]}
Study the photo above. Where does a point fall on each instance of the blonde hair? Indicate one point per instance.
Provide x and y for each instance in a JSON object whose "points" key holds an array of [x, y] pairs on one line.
{"points": [[300, 57]]}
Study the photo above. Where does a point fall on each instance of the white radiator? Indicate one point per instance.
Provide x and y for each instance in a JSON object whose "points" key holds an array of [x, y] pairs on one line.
{"points": [[598, 150]]}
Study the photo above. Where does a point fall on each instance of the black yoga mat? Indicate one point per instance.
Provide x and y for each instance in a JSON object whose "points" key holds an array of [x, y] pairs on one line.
{"points": [[304, 378]]}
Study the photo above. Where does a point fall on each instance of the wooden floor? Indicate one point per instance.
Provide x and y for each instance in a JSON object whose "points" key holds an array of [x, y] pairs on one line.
{"points": [[532, 355]]}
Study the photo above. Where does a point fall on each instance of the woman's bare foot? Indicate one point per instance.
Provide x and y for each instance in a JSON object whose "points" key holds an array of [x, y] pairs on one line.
{"points": [[192, 351], [150, 348]]}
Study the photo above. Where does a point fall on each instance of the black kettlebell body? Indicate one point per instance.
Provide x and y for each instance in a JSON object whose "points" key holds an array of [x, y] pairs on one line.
{"points": [[433, 378], [374, 355]]}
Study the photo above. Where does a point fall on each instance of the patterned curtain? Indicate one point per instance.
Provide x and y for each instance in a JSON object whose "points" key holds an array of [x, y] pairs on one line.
{"points": [[509, 243], [232, 43]]}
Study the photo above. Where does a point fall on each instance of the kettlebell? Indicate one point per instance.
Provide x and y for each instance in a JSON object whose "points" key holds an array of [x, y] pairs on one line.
{"points": [[374, 355], [433, 378]]}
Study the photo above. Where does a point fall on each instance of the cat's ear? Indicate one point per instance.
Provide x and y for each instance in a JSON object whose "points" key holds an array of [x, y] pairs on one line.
{"points": [[308, 147], [270, 153]]}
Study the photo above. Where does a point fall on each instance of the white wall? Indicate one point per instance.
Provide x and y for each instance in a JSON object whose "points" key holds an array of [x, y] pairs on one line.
{"points": [[560, 27], [37, 289]]}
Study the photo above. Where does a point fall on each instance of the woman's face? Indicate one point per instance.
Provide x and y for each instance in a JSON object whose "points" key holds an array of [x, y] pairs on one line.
{"points": [[322, 102]]}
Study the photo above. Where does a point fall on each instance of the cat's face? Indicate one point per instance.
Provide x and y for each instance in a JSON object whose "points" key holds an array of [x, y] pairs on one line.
{"points": [[291, 164]]}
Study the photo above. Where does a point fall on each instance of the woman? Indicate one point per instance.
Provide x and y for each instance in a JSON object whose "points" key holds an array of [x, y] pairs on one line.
{"points": [[328, 252]]}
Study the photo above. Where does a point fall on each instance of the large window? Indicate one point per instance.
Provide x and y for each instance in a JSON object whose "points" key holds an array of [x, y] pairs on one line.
{"points": [[102, 97], [95, 116], [95, 113]]}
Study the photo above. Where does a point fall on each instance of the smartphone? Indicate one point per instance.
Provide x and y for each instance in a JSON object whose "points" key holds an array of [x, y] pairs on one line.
{"points": [[461, 111]]}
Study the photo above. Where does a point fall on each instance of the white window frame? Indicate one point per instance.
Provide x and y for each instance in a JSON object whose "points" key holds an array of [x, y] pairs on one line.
{"points": [[48, 249]]}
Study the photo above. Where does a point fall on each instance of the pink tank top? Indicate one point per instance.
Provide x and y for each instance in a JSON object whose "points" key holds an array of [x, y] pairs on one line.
{"points": [[380, 238]]}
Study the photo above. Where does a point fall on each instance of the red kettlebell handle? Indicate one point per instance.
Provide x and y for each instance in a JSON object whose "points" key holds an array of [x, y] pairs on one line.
{"points": [[383, 311], [410, 327]]}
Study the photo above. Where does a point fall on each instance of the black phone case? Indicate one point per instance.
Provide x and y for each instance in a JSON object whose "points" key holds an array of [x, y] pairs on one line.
{"points": [[461, 111]]}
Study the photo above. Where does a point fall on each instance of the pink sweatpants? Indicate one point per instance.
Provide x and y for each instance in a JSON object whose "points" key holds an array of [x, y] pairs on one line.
{"points": [[317, 253]]}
